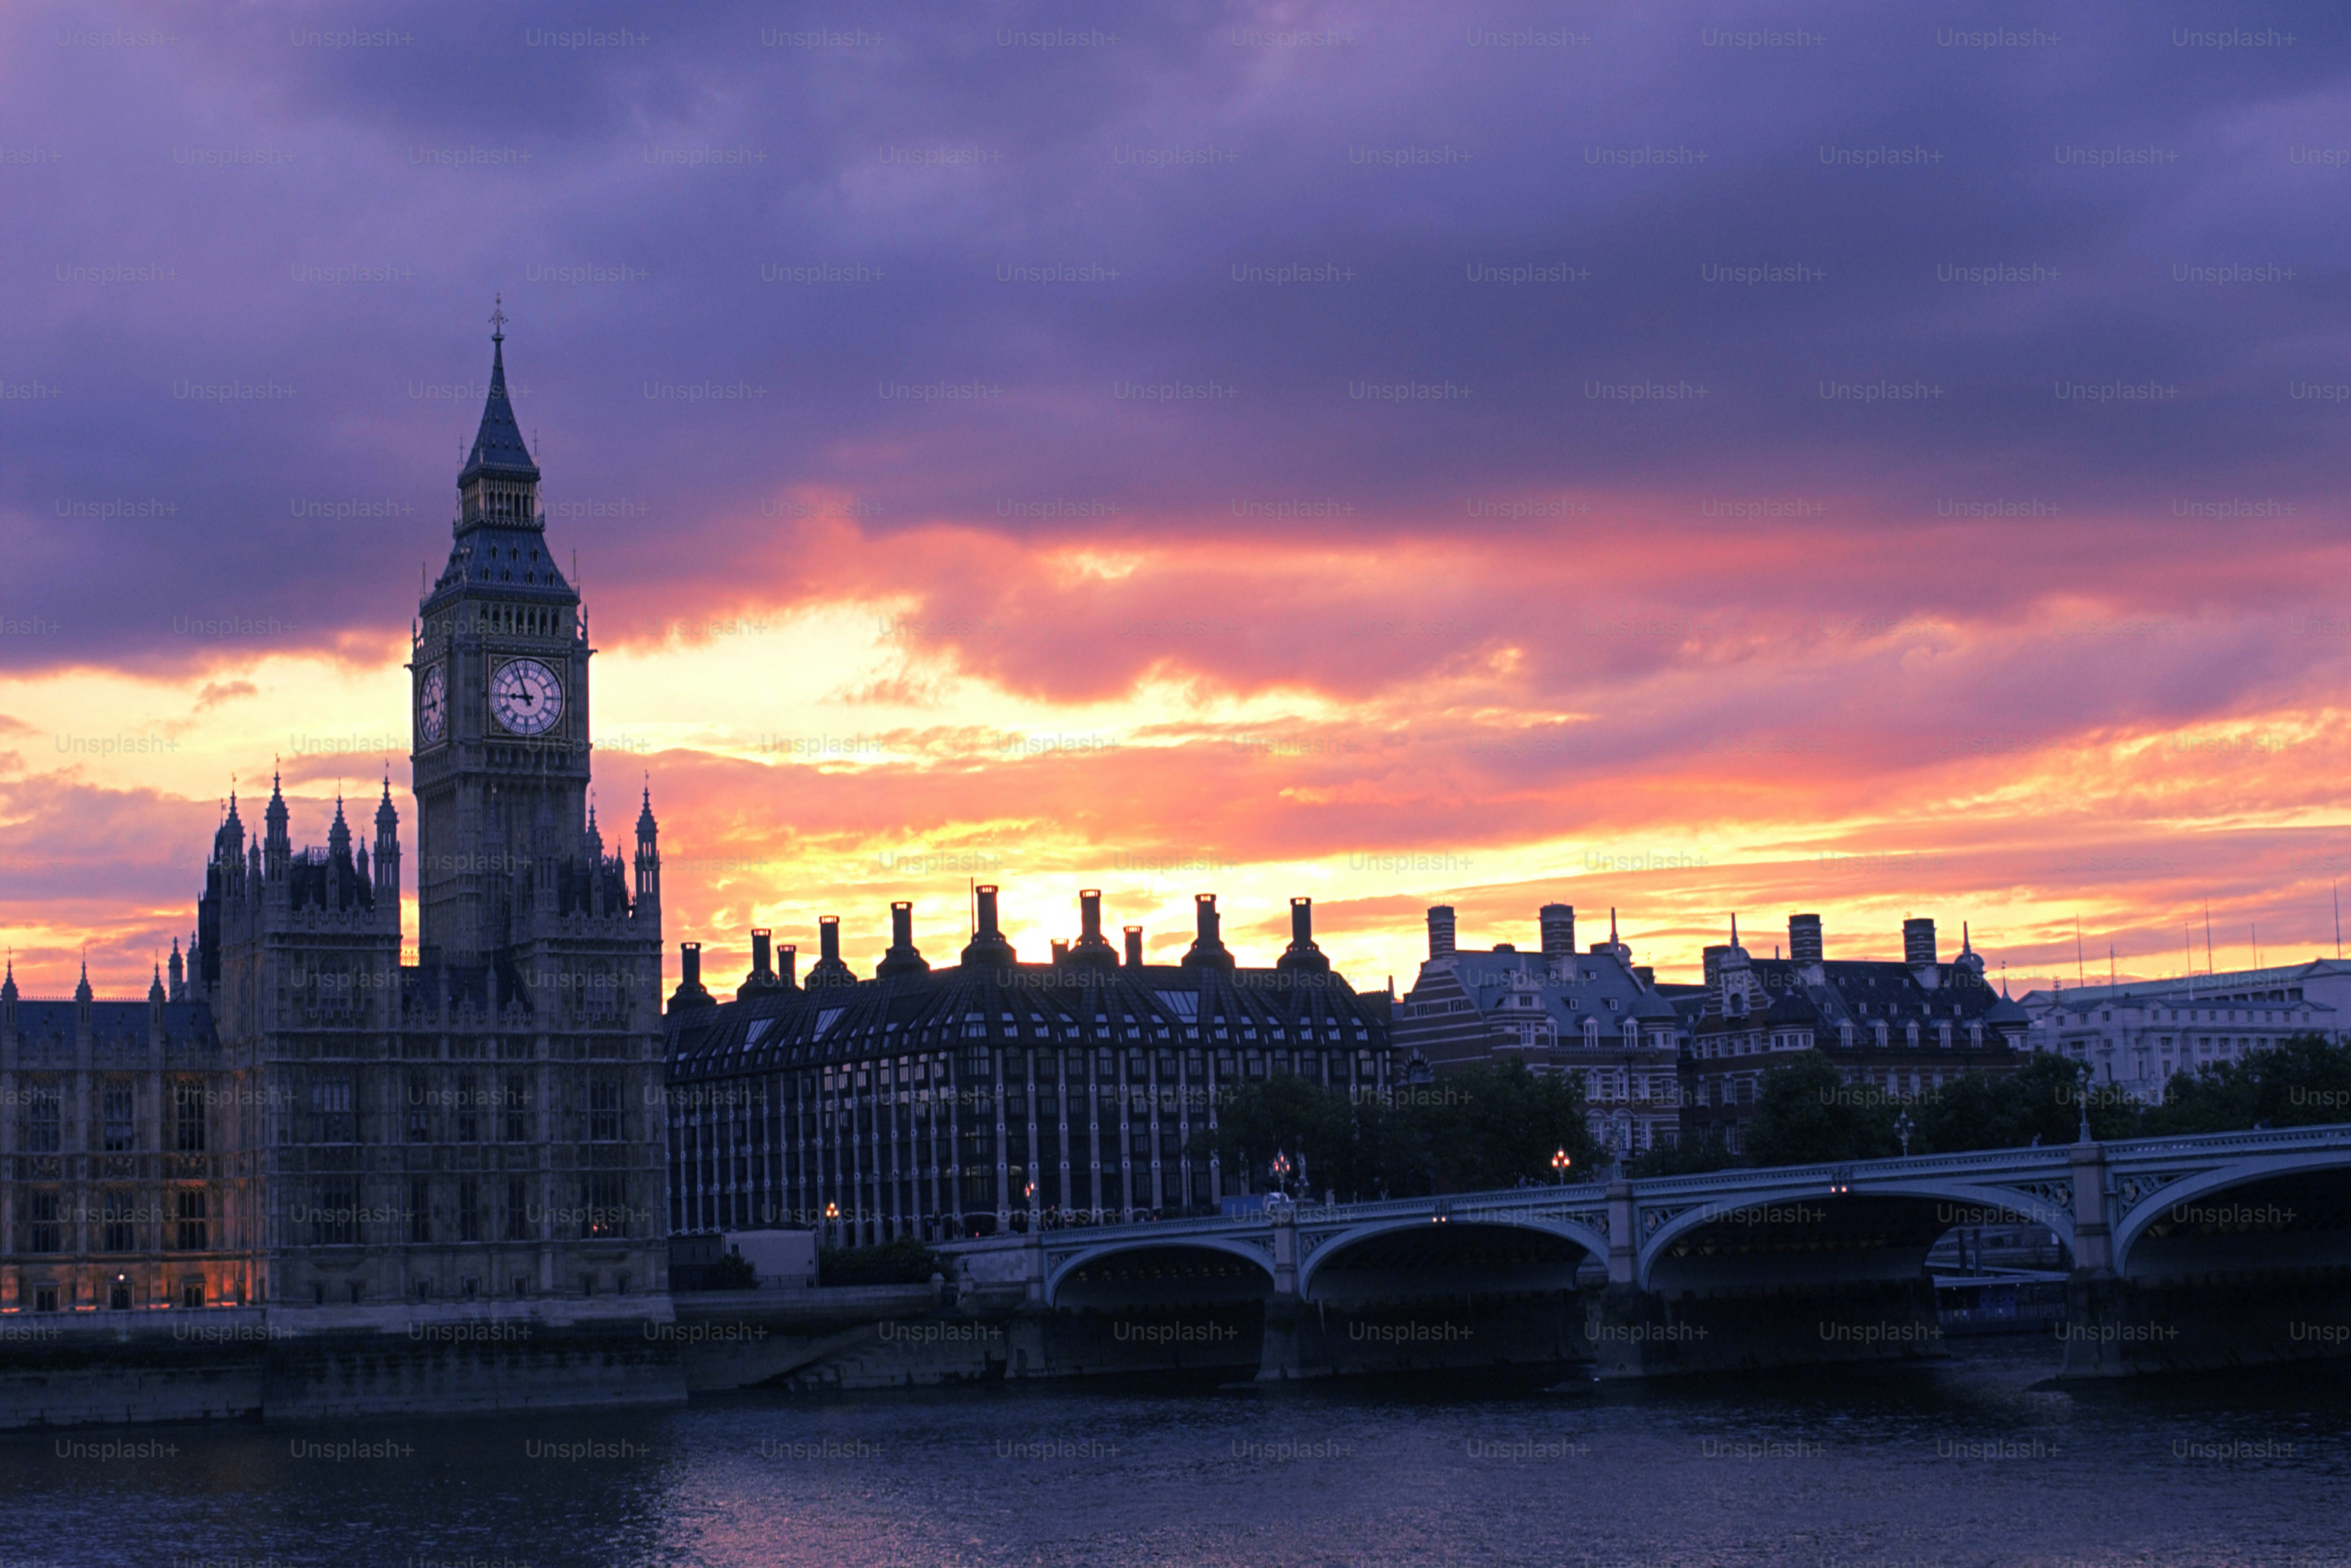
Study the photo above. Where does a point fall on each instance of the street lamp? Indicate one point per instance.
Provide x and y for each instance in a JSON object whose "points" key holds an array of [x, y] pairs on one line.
{"points": [[1559, 1163], [1903, 1130], [1280, 1169]]}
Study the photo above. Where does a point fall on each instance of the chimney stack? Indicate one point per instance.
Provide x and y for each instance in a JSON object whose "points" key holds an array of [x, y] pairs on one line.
{"points": [[1208, 950], [689, 992], [788, 961], [762, 975], [902, 958], [1134, 947], [1804, 938], [1440, 931], [987, 945], [1919, 943], [1558, 922], [828, 969], [1302, 954], [1092, 947]]}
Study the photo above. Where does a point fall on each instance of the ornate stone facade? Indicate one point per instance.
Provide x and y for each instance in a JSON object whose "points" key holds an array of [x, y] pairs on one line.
{"points": [[303, 1120]]}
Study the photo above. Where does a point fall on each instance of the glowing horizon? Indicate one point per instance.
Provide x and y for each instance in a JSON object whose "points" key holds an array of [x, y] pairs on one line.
{"points": [[1778, 531]]}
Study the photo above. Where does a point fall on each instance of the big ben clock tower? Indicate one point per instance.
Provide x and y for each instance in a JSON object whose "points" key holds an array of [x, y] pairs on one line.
{"points": [[481, 1123], [501, 673]]}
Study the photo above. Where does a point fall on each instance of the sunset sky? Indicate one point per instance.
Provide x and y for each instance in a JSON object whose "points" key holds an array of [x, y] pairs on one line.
{"points": [[1691, 459]]}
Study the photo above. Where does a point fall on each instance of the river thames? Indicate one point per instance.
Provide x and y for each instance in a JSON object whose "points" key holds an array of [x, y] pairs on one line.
{"points": [[1971, 1462]]}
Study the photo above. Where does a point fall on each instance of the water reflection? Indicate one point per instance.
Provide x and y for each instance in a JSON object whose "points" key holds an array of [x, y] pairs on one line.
{"points": [[1975, 1462]]}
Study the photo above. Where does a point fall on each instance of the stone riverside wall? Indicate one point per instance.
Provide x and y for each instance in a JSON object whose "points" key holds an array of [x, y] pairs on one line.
{"points": [[869, 1336], [73, 1369], [260, 1364], [257, 1363]]}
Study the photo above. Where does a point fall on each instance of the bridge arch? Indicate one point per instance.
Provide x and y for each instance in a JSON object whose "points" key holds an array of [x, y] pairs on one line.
{"points": [[1064, 1274], [2133, 1226], [1334, 1246], [1961, 1201]]}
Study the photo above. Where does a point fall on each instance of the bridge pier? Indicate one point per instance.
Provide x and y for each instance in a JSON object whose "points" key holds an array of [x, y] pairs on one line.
{"points": [[2095, 1307], [1623, 1320], [1294, 1347]]}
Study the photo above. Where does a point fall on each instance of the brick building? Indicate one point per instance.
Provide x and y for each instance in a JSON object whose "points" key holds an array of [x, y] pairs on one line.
{"points": [[1596, 1015], [1897, 1028]]}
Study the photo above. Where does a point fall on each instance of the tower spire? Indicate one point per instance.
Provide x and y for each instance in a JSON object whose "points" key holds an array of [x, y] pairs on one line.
{"points": [[498, 450]]}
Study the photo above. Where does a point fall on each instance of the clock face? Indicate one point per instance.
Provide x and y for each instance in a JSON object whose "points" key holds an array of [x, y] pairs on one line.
{"points": [[432, 706], [526, 696]]}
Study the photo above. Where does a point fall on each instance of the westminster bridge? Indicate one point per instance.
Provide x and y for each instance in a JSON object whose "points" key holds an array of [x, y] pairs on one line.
{"points": [[2220, 1249]]}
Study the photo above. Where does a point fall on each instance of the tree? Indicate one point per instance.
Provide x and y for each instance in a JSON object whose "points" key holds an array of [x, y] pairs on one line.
{"points": [[1502, 1124], [1806, 1114], [1970, 1112], [1477, 1128], [1694, 1157], [1291, 1115], [2042, 1099], [2304, 1080], [733, 1271]]}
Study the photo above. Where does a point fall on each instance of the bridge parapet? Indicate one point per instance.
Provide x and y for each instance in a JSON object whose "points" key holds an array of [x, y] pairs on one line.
{"points": [[2098, 1199]]}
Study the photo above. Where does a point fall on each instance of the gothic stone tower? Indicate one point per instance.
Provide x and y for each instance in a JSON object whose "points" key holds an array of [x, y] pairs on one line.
{"points": [[500, 675], [534, 955], [482, 1124]]}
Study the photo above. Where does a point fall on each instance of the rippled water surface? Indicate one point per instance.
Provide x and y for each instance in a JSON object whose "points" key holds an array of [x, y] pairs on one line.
{"points": [[1968, 1463]]}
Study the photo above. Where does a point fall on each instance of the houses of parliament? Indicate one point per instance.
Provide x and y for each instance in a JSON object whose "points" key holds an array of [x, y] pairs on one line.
{"points": [[295, 1118]]}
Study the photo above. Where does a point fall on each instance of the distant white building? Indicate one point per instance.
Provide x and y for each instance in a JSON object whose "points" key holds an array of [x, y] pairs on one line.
{"points": [[2137, 1035]]}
